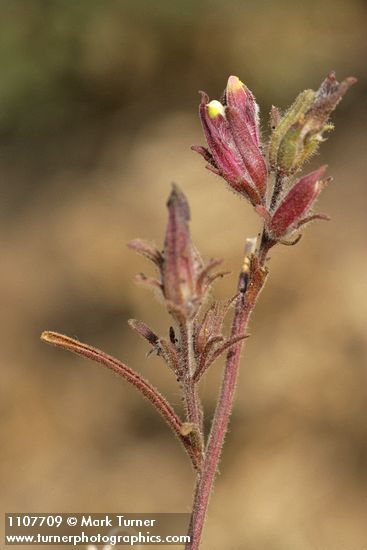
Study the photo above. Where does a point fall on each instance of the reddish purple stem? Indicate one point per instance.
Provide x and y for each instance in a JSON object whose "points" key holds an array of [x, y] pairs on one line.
{"points": [[244, 306]]}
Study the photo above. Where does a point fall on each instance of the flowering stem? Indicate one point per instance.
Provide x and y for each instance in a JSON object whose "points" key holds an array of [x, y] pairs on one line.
{"points": [[244, 306], [236, 154]]}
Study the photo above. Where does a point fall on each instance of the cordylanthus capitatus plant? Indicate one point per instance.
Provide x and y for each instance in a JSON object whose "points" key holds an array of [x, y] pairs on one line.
{"points": [[268, 176]]}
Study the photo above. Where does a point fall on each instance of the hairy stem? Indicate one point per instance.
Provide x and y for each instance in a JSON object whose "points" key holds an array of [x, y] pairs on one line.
{"points": [[277, 190], [194, 411], [244, 306]]}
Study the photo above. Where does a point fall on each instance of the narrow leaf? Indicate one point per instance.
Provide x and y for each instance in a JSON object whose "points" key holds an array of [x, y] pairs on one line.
{"points": [[149, 391]]}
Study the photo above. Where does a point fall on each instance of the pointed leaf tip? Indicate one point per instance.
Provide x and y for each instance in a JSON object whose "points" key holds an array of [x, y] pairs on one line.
{"points": [[47, 336], [178, 201]]}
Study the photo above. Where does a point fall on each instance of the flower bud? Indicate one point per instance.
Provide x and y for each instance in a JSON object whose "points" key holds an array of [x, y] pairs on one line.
{"points": [[293, 211], [185, 279], [243, 117], [239, 97], [231, 129], [282, 144], [298, 134]]}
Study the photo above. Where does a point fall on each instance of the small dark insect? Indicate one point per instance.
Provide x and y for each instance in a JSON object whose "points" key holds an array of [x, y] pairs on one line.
{"points": [[172, 335], [244, 279]]}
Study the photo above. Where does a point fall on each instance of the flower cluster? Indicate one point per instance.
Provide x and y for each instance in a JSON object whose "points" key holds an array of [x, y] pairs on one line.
{"points": [[232, 131], [265, 173]]}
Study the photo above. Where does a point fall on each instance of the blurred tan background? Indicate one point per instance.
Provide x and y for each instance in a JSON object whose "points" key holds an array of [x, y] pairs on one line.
{"points": [[98, 109]]}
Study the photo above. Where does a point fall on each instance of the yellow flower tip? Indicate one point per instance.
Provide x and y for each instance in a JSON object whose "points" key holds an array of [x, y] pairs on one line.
{"points": [[215, 108], [235, 84]]}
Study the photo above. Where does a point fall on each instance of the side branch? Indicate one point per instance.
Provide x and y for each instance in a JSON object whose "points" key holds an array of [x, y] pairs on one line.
{"points": [[151, 393]]}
